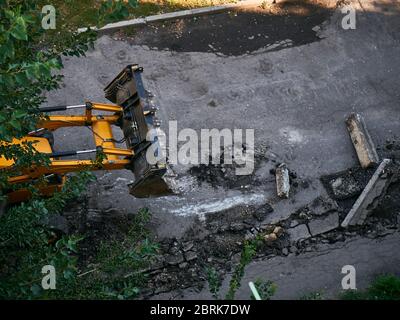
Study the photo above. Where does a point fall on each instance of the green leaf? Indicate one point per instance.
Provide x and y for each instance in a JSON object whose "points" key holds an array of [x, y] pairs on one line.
{"points": [[133, 3], [7, 80], [36, 290], [9, 14], [7, 51], [19, 29], [15, 124], [21, 78], [18, 114], [68, 274]]}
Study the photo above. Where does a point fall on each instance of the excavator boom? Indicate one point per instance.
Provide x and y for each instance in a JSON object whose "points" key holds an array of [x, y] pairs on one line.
{"points": [[131, 111]]}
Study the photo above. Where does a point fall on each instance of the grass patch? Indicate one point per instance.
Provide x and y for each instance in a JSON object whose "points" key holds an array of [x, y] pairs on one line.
{"points": [[81, 13], [384, 287], [248, 252], [214, 281], [119, 270], [266, 289], [316, 295]]}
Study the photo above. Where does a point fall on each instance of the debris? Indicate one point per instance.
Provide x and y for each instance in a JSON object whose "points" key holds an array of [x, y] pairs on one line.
{"points": [[362, 141], [57, 222], [366, 201], [237, 226], [285, 251], [261, 212], [188, 246], [174, 259], [278, 231], [267, 228], [345, 187], [316, 28], [270, 237], [190, 255], [282, 181], [293, 249], [323, 205], [212, 103], [348, 183], [249, 236], [158, 263], [299, 232], [325, 224]]}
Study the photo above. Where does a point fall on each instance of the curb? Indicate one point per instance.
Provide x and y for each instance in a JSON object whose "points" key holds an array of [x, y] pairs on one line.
{"points": [[366, 202], [178, 15]]}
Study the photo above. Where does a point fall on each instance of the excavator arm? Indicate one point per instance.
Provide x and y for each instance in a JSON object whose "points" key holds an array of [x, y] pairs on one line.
{"points": [[131, 112]]}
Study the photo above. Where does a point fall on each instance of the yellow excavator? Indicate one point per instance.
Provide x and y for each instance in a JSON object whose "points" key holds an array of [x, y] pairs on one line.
{"points": [[131, 111]]}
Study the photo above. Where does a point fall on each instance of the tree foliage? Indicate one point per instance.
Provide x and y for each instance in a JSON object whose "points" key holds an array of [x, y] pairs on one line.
{"points": [[30, 64]]}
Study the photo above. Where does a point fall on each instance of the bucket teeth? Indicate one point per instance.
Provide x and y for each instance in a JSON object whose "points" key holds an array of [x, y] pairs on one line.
{"points": [[150, 185]]}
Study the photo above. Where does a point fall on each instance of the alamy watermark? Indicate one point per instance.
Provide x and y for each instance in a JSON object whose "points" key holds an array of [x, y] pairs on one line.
{"points": [[49, 17], [349, 21], [349, 280], [187, 147], [49, 280]]}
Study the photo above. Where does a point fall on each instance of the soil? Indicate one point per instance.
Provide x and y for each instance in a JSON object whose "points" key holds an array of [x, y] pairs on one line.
{"points": [[389, 207], [224, 175], [353, 182], [96, 227]]}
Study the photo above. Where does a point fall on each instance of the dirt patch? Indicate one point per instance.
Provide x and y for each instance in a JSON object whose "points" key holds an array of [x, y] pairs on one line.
{"points": [[283, 25], [389, 206], [224, 174], [390, 149], [96, 226], [345, 186]]}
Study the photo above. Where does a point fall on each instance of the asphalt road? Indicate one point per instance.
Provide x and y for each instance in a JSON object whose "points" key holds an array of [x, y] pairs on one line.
{"points": [[291, 78], [298, 276]]}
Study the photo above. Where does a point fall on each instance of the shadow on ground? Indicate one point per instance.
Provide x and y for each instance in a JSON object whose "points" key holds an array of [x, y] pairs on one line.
{"points": [[286, 24]]}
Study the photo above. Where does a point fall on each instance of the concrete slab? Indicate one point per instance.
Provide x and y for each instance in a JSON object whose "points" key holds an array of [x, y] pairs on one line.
{"points": [[362, 141], [322, 205], [324, 224], [282, 181], [367, 201], [298, 233]]}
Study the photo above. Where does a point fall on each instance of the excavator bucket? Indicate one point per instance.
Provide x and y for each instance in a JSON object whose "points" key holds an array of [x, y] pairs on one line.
{"points": [[138, 119]]}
